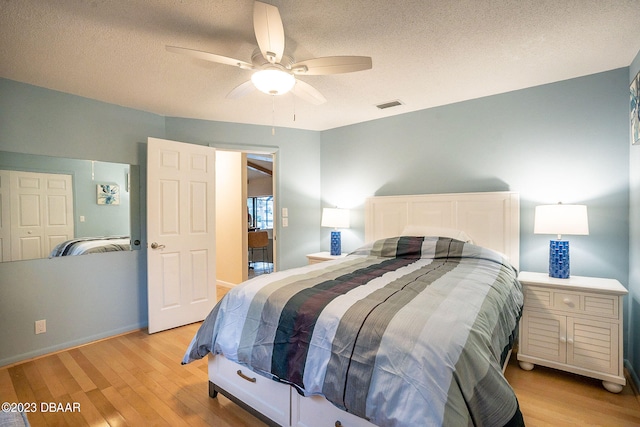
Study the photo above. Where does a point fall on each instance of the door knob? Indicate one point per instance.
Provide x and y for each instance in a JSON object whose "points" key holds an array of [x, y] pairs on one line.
{"points": [[154, 245]]}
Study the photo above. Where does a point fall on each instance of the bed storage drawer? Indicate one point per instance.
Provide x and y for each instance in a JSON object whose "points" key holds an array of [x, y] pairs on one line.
{"points": [[315, 411], [271, 398]]}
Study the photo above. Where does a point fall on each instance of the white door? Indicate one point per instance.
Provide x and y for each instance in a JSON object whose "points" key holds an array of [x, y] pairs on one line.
{"points": [[181, 233], [41, 213], [5, 217]]}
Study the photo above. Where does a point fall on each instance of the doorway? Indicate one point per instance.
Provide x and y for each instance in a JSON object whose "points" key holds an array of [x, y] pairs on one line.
{"points": [[245, 202], [260, 210]]}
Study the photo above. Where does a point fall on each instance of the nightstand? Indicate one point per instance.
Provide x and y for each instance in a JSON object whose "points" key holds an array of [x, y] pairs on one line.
{"points": [[574, 325], [323, 256]]}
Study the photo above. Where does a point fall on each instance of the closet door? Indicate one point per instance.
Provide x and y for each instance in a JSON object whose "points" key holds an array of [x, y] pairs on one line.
{"points": [[41, 213], [5, 217]]}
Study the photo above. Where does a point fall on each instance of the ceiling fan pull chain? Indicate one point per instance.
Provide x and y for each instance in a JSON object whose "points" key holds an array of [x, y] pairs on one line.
{"points": [[273, 115]]}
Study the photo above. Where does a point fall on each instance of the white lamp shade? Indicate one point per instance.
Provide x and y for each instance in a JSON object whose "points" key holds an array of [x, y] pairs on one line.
{"points": [[273, 81], [561, 219], [336, 218]]}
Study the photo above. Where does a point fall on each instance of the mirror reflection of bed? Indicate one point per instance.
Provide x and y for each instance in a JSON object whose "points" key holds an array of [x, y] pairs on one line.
{"points": [[91, 245]]}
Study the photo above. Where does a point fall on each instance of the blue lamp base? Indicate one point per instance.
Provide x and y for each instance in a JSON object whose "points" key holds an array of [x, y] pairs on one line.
{"points": [[335, 243], [559, 259]]}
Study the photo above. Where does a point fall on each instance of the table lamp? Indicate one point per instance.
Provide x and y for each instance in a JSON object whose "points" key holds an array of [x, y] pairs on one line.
{"points": [[336, 218], [560, 219]]}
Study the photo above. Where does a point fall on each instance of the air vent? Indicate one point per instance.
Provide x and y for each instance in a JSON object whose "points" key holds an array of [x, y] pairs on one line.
{"points": [[389, 104]]}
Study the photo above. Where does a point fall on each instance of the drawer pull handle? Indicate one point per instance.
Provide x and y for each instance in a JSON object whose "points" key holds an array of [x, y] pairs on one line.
{"points": [[243, 376], [568, 302]]}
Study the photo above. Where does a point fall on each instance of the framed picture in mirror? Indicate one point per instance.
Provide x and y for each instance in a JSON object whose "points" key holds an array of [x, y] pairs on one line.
{"points": [[108, 194]]}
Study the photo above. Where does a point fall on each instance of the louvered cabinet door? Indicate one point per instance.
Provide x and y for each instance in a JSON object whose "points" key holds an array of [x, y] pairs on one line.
{"points": [[593, 345], [544, 336]]}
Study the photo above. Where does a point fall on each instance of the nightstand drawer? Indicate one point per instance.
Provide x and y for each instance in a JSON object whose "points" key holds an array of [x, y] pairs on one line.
{"points": [[538, 297], [569, 301], [591, 304], [601, 305], [566, 301]]}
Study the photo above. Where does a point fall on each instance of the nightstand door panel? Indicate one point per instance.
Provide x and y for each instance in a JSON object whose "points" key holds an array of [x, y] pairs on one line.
{"points": [[593, 345], [545, 336]]}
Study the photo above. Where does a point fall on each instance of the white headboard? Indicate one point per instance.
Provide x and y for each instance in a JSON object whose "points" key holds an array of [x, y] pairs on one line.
{"points": [[491, 219]]}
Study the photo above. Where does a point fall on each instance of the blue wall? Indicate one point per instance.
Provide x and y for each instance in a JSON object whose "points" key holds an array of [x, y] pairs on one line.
{"points": [[634, 248], [82, 298], [566, 141]]}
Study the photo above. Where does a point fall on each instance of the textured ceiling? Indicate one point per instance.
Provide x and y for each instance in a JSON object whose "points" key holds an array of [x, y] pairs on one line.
{"points": [[425, 53]]}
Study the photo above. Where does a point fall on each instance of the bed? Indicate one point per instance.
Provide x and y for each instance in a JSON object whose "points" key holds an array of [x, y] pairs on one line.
{"points": [[413, 328], [91, 245]]}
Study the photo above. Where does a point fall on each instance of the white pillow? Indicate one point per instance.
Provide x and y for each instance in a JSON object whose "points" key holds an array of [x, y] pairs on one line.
{"points": [[427, 230]]}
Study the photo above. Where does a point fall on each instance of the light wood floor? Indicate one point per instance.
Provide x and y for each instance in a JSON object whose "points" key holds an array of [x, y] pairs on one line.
{"points": [[136, 379], [549, 397]]}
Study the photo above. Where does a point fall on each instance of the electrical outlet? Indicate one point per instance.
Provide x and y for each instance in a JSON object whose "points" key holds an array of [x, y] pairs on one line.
{"points": [[41, 326]]}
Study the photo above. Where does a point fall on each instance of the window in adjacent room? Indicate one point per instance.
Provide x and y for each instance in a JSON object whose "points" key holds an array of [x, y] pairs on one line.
{"points": [[261, 211]]}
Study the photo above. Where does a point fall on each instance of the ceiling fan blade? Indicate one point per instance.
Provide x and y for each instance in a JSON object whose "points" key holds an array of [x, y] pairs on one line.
{"points": [[241, 90], [210, 57], [267, 25], [332, 65], [308, 93]]}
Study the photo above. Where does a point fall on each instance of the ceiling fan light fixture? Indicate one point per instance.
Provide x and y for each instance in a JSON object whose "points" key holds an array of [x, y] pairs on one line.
{"points": [[277, 69], [273, 82]]}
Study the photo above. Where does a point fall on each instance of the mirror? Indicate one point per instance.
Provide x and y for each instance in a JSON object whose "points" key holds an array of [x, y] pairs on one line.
{"points": [[54, 206]]}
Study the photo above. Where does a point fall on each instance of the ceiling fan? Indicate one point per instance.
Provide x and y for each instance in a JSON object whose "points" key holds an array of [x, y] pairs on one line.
{"points": [[276, 71]]}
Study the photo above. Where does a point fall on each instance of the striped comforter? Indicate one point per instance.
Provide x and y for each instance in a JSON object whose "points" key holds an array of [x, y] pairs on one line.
{"points": [[91, 245], [407, 331]]}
